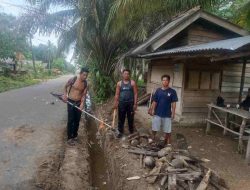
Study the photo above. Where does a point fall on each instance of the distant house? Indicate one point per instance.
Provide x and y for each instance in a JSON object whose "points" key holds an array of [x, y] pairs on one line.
{"points": [[205, 56]]}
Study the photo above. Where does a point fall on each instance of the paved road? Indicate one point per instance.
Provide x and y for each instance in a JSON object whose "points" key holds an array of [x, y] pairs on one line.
{"points": [[30, 128]]}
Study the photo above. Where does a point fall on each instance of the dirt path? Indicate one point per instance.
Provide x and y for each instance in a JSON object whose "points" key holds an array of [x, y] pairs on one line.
{"points": [[31, 133]]}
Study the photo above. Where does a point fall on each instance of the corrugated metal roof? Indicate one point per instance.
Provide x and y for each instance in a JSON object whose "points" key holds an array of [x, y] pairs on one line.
{"points": [[188, 17], [226, 45]]}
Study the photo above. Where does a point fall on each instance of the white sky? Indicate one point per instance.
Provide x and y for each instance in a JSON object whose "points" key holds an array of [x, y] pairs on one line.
{"points": [[16, 8]]}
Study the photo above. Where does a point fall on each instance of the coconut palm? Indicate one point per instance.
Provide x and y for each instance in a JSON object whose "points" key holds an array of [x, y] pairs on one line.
{"points": [[80, 24], [242, 12], [237, 11], [101, 30], [140, 17]]}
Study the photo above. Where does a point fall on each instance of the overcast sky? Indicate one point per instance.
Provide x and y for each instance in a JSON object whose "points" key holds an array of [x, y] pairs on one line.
{"points": [[16, 8]]}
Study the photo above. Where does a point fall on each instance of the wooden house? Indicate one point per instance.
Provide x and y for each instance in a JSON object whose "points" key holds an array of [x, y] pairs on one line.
{"points": [[205, 56]]}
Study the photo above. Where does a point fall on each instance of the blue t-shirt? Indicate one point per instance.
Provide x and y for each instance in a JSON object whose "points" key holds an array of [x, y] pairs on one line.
{"points": [[164, 98]]}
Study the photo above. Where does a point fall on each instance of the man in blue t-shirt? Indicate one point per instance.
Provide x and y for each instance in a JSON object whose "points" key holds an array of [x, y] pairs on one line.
{"points": [[163, 109]]}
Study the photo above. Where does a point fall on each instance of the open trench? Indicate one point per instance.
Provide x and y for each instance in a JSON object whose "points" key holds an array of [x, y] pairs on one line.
{"points": [[89, 165], [98, 163]]}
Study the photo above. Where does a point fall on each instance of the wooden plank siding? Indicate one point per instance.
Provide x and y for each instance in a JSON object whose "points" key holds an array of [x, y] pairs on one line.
{"points": [[195, 101], [198, 34]]}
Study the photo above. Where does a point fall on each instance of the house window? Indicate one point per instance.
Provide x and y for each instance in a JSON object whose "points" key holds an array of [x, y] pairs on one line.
{"points": [[203, 80]]}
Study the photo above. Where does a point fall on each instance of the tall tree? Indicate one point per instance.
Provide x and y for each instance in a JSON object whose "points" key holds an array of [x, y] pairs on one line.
{"points": [[82, 23], [102, 29], [237, 11], [11, 41], [138, 18], [242, 13]]}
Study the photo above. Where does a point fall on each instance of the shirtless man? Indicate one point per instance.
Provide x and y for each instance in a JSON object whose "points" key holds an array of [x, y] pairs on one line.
{"points": [[75, 92]]}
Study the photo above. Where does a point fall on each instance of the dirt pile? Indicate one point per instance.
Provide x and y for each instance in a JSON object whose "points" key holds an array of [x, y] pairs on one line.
{"points": [[68, 169], [75, 167]]}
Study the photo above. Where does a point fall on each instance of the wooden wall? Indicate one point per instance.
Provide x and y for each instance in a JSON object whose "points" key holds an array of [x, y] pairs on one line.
{"points": [[203, 31], [195, 101], [232, 77], [198, 35], [192, 104]]}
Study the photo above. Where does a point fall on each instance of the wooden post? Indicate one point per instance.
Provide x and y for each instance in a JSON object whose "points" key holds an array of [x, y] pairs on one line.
{"points": [[226, 123], [242, 82], [248, 151], [209, 117], [172, 182], [242, 128], [205, 181], [113, 121]]}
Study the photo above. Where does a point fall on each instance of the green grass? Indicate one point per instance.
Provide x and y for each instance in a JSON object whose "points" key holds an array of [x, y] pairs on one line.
{"points": [[8, 83], [17, 81]]}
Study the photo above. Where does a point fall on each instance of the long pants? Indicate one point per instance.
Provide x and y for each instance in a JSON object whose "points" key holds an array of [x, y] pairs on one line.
{"points": [[126, 109], [74, 116]]}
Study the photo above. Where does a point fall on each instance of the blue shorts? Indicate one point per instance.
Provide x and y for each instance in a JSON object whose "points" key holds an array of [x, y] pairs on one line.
{"points": [[164, 122]]}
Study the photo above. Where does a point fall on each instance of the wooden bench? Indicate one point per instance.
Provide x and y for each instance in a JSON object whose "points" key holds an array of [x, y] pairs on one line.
{"points": [[245, 115]]}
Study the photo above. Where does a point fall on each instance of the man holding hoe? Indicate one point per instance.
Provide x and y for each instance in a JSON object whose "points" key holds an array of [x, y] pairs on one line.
{"points": [[163, 109], [75, 92], [126, 102]]}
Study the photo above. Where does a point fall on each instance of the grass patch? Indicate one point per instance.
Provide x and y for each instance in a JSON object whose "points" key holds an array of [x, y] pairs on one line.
{"points": [[8, 83], [19, 81]]}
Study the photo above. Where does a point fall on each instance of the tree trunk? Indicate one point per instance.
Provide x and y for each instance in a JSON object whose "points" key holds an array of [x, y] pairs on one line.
{"points": [[32, 54]]}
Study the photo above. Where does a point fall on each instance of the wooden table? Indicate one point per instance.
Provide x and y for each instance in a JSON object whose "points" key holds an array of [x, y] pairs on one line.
{"points": [[245, 115]]}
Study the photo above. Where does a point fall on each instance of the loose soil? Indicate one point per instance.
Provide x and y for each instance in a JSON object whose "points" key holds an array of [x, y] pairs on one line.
{"points": [[86, 166], [68, 169], [220, 150]]}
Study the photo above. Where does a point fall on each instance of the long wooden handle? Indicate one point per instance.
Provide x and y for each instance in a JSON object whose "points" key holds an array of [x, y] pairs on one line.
{"points": [[114, 116], [150, 98]]}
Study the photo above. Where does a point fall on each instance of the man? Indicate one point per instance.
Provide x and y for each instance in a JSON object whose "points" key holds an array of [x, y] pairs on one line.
{"points": [[163, 109], [75, 92], [126, 102]]}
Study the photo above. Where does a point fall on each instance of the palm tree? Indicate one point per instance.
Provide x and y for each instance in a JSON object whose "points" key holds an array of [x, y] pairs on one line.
{"points": [[80, 23], [102, 30], [137, 18], [242, 11], [237, 11]]}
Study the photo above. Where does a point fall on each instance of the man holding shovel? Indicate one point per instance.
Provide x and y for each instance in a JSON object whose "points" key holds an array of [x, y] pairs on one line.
{"points": [[163, 109], [126, 102], [75, 92]]}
